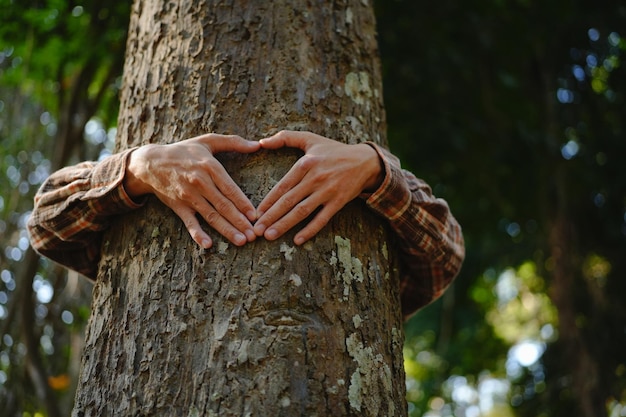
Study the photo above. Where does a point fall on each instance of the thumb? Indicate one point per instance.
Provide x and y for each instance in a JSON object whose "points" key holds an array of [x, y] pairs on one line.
{"points": [[292, 139], [229, 143]]}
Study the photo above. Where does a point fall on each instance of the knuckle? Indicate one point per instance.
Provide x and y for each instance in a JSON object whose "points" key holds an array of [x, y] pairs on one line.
{"points": [[323, 219], [325, 178], [193, 178], [222, 206], [308, 161], [289, 201], [185, 194], [190, 224], [302, 210], [211, 164], [230, 193], [211, 217]]}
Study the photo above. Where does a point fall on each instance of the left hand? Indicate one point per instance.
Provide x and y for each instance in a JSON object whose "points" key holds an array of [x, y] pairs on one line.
{"points": [[188, 178], [329, 175]]}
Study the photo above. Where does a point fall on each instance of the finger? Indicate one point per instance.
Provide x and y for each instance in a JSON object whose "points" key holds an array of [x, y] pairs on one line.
{"points": [[219, 212], [291, 179], [193, 227], [297, 214], [282, 199], [222, 226], [224, 186], [283, 207], [290, 138], [241, 204], [212, 181], [229, 143], [222, 215], [318, 222]]}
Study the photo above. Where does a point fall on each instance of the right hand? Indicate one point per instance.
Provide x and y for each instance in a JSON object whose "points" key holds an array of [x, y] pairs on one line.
{"points": [[328, 176], [188, 178]]}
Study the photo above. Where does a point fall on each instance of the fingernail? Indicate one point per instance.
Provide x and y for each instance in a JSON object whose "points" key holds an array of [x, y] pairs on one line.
{"points": [[251, 215], [271, 234], [259, 228], [206, 243], [250, 235], [299, 240], [240, 239]]}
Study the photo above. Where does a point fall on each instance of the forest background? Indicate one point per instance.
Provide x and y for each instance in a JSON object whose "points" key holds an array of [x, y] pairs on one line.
{"points": [[514, 112]]}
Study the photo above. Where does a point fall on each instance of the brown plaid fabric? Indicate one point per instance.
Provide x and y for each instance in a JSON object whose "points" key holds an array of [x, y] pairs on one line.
{"points": [[72, 209], [431, 243], [75, 204]]}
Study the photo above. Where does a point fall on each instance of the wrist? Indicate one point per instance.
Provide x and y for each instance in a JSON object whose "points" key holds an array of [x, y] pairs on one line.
{"points": [[135, 167], [375, 168]]}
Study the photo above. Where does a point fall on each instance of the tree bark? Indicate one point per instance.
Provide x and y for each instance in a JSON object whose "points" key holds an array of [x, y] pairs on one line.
{"points": [[268, 329]]}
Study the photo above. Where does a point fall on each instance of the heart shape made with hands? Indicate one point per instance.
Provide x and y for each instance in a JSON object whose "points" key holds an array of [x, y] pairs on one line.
{"points": [[187, 177]]}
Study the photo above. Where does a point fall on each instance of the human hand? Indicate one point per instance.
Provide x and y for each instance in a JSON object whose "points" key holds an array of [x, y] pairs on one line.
{"points": [[187, 178], [329, 175]]}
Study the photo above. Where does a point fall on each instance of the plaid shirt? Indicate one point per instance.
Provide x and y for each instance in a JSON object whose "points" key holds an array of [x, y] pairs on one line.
{"points": [[74, 205]]}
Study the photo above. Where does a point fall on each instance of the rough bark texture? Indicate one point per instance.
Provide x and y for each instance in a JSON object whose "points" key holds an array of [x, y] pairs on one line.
{"points": [[269, 329]]}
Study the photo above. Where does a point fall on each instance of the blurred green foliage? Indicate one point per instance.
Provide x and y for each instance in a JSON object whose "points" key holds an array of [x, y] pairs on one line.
{"points": [[60, 63], [511, 109]]}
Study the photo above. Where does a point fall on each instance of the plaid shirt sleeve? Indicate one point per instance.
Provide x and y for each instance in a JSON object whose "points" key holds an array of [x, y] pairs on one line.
{"points": [[72, 209], [431, 243], [75, 204]]}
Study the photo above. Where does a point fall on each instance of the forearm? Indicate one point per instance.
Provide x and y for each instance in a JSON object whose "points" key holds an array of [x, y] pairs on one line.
{"points": [[73, 208], [431, 243]]}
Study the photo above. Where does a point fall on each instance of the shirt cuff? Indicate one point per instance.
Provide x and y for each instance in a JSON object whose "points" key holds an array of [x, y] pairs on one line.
{"points": [[108, 185], [393, 196]]}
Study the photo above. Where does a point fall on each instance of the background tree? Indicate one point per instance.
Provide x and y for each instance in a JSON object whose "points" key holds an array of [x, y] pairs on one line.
{"points": [[485, 100]]}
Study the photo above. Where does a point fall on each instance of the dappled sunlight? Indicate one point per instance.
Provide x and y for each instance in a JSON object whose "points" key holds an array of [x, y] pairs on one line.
{"points": [[617, 408], [596, 269], [522, 315], [527, 321], [465, 397], [523, 308]]}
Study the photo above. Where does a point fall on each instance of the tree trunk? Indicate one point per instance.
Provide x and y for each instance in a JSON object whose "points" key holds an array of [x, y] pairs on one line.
{"points": [[269, 329]]}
